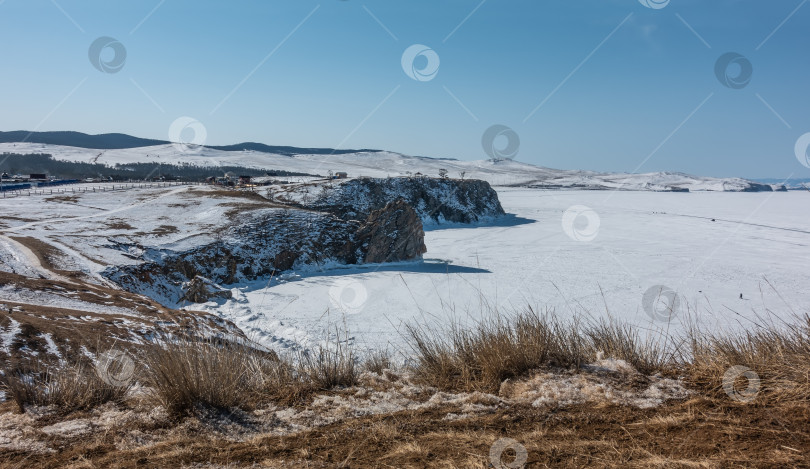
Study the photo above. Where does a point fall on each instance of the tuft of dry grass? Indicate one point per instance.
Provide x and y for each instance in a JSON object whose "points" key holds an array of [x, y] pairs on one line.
{"points": [[503, 347], [615, 339], [329, 366], [377, 361], [67, 387], [184, 374], [779, 355]]}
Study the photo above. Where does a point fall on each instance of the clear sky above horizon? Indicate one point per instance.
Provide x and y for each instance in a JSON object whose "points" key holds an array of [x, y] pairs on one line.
{"points": [[606, 85]]}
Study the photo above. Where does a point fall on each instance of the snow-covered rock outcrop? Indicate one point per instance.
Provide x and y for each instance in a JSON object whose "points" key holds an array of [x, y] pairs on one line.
{"points": [[267, 242], [436, 201], [353, 221]]}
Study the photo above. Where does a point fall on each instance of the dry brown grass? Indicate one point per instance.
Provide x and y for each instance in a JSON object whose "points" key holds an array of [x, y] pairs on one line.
{"points": [[503, 347], [377, 361], [329, 366], [184, 374], [70, 387], [779, 355]]}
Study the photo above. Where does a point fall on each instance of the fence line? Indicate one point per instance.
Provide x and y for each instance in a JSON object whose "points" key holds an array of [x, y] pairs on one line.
{"points": [[101, 188]]}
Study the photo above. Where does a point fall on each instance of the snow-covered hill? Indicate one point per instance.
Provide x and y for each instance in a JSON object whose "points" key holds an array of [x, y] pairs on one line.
{"points": [[384, 164]]}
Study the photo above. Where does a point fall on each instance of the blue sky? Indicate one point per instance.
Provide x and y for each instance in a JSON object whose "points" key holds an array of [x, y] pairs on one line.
{"points": [[623, 87]]}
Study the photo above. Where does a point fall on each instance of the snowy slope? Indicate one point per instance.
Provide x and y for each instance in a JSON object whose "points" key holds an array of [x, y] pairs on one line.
{"points": [[384, 164]]}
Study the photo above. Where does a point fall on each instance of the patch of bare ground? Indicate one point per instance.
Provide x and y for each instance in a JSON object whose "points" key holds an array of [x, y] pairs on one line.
{"points": [[25, 220], [222, 193], [118, 224], [243, 200], [161, 230], [68, 199], [80, 318], [700, 432], [48, 255]]}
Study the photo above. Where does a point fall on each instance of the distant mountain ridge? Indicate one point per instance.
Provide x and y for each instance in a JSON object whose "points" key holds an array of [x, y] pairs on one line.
{"points": [[120, 150], [117, 141], [78, 139]]}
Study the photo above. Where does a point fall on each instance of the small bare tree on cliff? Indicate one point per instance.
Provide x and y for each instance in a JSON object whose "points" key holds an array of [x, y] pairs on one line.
{"points": [[462, 174], [443, 173]]}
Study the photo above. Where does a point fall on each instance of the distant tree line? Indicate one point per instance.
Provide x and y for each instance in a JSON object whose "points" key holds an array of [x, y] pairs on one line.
{"points": [[13, 163]]}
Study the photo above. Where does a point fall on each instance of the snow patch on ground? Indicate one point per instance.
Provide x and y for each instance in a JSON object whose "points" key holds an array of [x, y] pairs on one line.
{"points": [[17, 433], [51, 345], [40, 298], [7, 336], [69, 428], [604, 381]]}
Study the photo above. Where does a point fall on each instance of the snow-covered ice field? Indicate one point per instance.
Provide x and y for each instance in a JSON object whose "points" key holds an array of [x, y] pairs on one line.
{"points": [[758, 246]]}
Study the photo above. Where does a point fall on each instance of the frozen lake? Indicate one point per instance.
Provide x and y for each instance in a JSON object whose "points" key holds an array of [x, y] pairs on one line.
{"points": [[602, 260]]}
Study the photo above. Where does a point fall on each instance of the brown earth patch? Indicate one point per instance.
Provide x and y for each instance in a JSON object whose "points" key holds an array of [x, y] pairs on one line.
{"points": [[119, 225], [695, 433], [69, 199], [47, 254], [95, 329]]}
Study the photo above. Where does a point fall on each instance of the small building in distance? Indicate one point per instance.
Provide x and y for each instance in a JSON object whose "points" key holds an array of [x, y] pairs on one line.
{"points": [[37, 177], [341, 175], [244, 180]]}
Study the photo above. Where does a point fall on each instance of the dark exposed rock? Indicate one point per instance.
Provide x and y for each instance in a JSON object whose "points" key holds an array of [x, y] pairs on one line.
{"points": [[393, 233], [266, 243], [434, 200], [757, 187], [200, 290]]}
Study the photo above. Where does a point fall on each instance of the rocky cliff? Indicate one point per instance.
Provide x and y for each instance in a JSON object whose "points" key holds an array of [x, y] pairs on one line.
{"points": [[348, 222], [267, 242], [436, 201]]}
